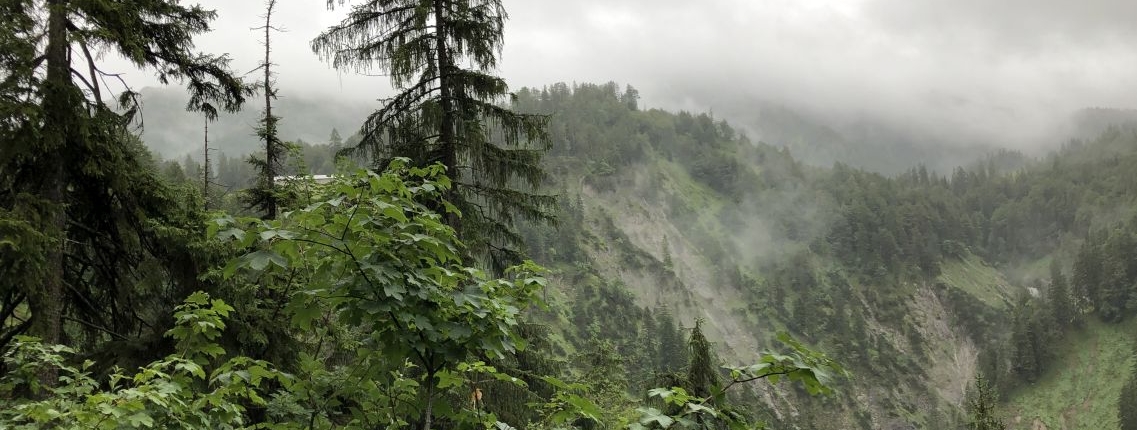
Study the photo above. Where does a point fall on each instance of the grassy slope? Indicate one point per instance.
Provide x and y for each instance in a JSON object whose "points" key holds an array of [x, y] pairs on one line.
{"points": [[977, 278], [1081, 388]]}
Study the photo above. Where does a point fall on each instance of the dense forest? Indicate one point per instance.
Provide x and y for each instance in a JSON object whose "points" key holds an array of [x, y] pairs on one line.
{"points": [[550, 257]]}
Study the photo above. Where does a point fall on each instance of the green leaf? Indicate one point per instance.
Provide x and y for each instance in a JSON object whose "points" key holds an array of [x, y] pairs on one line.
{"points": [[304, 313], [259, 260], [584, 406], [700, 409], [232, 233], [653, 415], [191, 368], [140, 419]]}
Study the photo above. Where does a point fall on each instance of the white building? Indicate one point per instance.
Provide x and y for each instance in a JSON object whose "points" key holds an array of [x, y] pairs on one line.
{"points": [[319, 179]]}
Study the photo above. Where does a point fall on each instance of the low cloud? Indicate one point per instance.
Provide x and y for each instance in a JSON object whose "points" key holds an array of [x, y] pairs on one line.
{"points": [[1001, 71]]}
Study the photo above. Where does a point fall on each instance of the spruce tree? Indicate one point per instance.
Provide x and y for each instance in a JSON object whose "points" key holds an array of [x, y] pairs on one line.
{"points": [[70, 168], [1025, 359], [981, 404], [702, 372], [1087, 276], [334, 140], [439, 55], [263, 195], [1115, 285], [207, 173], [672, 351], [1061, 304], [702, 378], [1127, 403]]}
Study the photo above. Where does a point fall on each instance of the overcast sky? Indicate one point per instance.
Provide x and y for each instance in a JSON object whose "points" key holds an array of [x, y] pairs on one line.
{"points": [[998, 67]]}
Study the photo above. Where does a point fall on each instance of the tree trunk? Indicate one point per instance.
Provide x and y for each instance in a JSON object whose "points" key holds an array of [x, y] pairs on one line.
{"points": [[270, 123], [205, 170], [448, 125], [428, 412], [46, 301]]}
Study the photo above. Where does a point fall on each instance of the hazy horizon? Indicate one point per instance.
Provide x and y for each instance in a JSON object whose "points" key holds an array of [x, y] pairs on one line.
{"points": [[1007, 73]]}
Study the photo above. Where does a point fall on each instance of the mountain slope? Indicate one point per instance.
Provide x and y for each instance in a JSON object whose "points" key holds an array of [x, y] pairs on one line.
{"points": [[915, 282], [1081, 391], [684, 214]]}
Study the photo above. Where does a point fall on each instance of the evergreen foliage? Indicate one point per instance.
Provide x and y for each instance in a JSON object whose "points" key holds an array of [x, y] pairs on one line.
{"points": [[1106, 272], [1127, 404], [673, 351], [72, 171], [263, 195], [365, 293], [191, 389], [1065, 312], [702, 371], [981, 404], [439, 56]]}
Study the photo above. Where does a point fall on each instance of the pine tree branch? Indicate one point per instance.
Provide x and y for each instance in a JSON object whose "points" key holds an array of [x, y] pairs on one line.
{"points": [[91, 70], [96, 327]]}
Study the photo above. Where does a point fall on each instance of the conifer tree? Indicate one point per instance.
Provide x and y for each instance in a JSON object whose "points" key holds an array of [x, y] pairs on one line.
{"points": [[1026, 360], [702, 372], [1061, 305], [981, 404], [206, 172], [1127, 403], [672, 351], [263, 194], [69, 167], [439, 55], [1115, 284], [1087, 275], [644, 352]]}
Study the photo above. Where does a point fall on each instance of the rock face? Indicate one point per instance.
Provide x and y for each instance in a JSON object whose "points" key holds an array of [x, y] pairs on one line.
{"points": [[638, 219]]}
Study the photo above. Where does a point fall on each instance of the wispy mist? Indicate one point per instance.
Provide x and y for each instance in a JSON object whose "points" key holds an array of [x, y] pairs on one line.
{"points": [[1007, 72]]}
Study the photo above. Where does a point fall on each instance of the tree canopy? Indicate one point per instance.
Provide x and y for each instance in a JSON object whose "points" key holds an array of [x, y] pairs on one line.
{"points": [[440, 55]]}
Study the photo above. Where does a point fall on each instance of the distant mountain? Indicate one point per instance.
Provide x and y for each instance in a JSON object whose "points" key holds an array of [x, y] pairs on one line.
{"points": [[1090, 122], [890, 147], [172, 132], [865, 143]]}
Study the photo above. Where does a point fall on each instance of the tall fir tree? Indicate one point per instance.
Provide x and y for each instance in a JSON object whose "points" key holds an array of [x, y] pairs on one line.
{"points": [[71, 170], [335, 141], [1127, 402], [1026, 361], [207, 173], [1087, 275], [439, 55], [1062, 308], [263, 195], [672, 355], [702, 378], [702, 371], [981, 404]]}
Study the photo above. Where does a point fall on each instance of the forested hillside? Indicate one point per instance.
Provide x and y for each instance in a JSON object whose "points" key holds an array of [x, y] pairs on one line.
{"points": [[696, 221], [547, 258], [915, 282]]}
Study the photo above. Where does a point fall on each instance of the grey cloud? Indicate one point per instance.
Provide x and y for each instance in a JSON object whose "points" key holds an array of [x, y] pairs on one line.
{"points": [[1032, 25], [984, 70]]}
